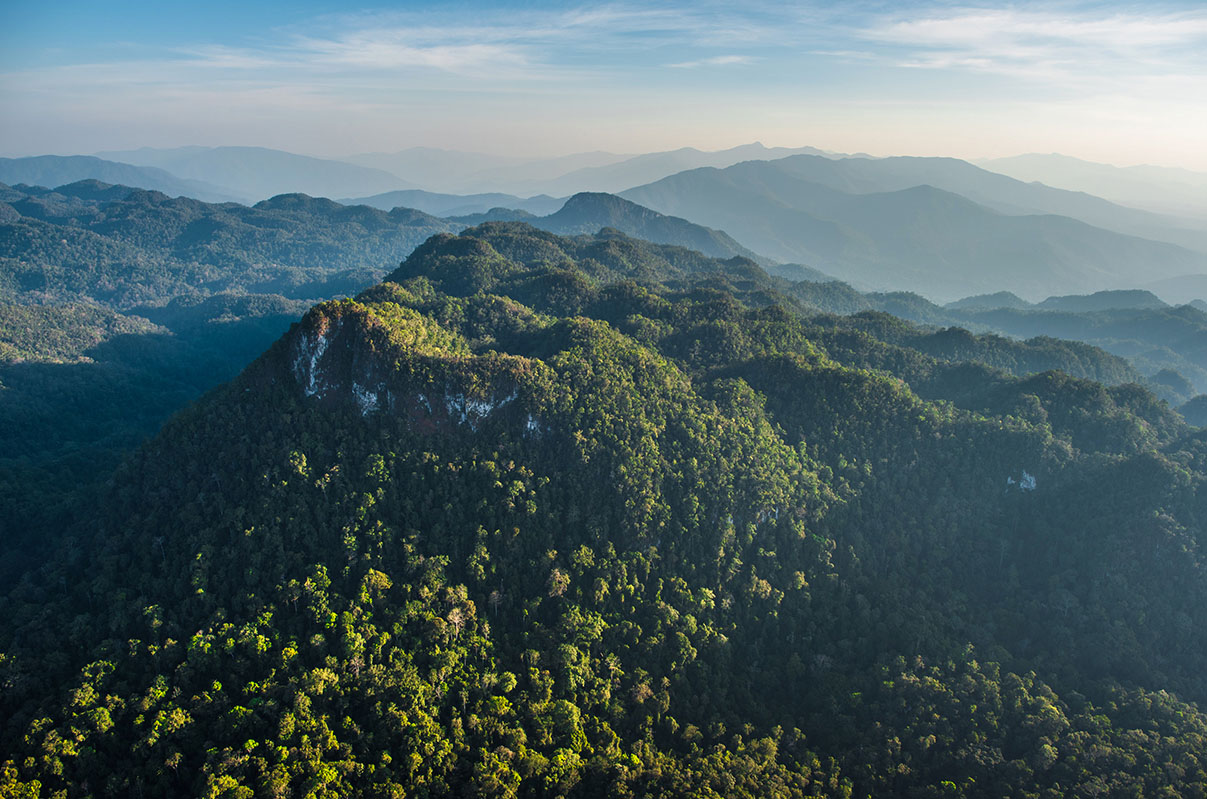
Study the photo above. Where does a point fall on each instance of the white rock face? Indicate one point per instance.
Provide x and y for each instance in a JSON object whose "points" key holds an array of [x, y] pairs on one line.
{"points": [[365, 398], [467, 410], [306, 363], [365, 385]]}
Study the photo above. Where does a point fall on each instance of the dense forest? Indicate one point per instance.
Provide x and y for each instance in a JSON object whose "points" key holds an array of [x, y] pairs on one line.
{"points": [[546, 516], [123, 247], [132, 304]]}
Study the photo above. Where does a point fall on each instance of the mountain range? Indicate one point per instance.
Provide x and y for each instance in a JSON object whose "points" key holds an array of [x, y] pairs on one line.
{"points": [[588, 516], [122, 247], [919, 238], [58, 170], [458, 204], [463, 173], [257, 173], [939, 226], [1165, 190]]}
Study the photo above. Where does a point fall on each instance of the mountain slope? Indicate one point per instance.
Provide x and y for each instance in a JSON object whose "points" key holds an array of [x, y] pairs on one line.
{"points": [[460, 172], [921, 239], [990, 189], [589, 212], [256, 173], [648, 167], [656, 536], [1179, 192], [57, 170], [457, 204], [122, 247]]}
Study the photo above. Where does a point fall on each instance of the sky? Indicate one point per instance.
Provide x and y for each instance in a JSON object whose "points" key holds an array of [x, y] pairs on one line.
{"points": [[1121, 83]]}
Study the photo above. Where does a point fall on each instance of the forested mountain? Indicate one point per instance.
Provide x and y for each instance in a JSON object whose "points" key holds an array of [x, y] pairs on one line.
{"points": [[544, 516], [458, 204], [1103, 301], [57, 170], [589, 212], [81, 387], [257, 173], [920, 238], [122, 247], [1167, 345]]}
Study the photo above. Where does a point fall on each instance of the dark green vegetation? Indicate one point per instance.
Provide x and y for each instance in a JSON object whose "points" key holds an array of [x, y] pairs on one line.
{"points": [[1165, 345], [591, 517], [122, 247], [58, 170], [83, 386]]}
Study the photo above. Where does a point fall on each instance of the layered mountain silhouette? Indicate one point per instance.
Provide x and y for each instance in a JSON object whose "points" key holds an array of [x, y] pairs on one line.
{"points": [[1166, 190], [649, 167], [999, 192], [256, 173], [458, 204], [57, 170], [476, 173], [588, 212], [456, 172], [920, 238]]}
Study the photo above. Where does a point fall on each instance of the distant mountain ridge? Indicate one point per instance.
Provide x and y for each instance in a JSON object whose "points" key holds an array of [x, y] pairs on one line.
{"points": [[454, 172], [998, 192], [1166, 190], [919, 238], [257, 173], [457, 204], [614, 178], [57, 170], [476, 173], [589, 212]]}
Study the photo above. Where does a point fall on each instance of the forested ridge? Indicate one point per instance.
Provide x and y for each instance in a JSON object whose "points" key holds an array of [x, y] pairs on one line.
{"points": [[544, 516], [123, 247]]}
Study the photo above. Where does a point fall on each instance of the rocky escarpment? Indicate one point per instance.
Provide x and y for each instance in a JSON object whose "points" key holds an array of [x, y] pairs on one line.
{"points": [[345, 354]]}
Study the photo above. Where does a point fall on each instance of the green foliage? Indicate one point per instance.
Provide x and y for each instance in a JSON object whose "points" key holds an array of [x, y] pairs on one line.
{"points": [[127, 247], [589, 517]]}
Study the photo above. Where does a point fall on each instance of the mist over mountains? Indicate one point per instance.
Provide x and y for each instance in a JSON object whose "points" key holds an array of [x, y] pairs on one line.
{"points": [[1165, 190], [58, 170], [879, 231], [257, 173], [471, 173], [939, 226]]}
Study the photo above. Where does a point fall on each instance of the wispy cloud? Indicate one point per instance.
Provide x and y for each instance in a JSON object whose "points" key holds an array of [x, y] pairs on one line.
{"points": [[553, 73], [715, 61], [1077, 46]]}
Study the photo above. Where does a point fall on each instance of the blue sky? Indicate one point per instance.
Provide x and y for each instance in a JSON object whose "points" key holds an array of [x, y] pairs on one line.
{"points": [[1118, 82]]}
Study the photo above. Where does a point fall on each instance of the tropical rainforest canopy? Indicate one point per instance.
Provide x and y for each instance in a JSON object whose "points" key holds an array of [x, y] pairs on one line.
{"points": [[544, 516]]}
